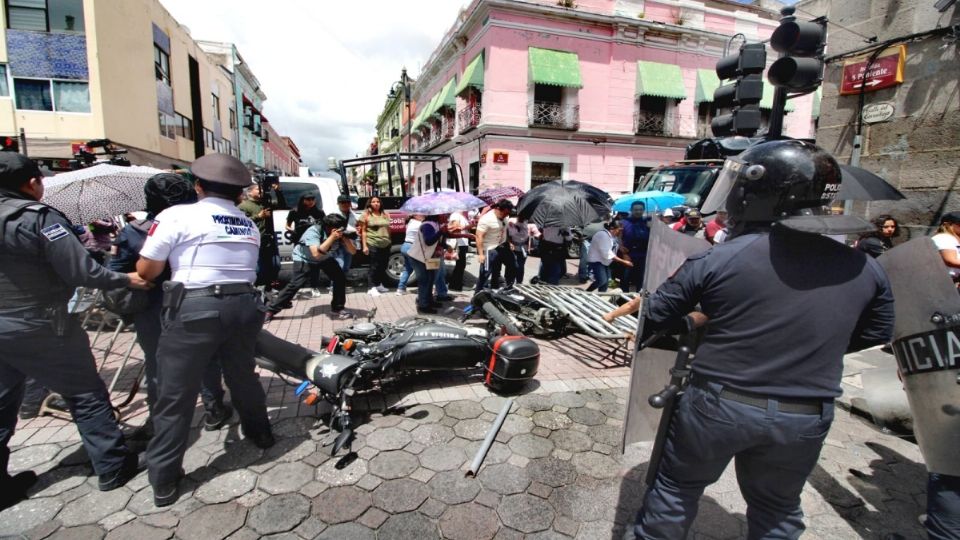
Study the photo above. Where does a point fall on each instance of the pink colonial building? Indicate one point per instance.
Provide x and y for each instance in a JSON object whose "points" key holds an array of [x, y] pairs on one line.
{"points": [[522, 92]]}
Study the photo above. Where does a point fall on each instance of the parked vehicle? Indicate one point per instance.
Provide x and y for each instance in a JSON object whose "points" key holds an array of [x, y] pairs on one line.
{"points": [[361, 356]]}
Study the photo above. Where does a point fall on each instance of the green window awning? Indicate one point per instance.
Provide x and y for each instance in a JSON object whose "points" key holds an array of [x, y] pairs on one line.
{"points": [[557, 68], [660, 80], [430, 108], [448, 96], [817, 96], [472, 76], [767, 101], [707, 83]]}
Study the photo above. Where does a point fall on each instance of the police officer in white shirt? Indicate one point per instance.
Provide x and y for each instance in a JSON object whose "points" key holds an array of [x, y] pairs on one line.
{"points": [[210, 310]]}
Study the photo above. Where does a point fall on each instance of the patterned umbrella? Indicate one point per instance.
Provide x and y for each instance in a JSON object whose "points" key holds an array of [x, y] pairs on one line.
{"points": [[442, 202], [99, 191], [493, 195]]}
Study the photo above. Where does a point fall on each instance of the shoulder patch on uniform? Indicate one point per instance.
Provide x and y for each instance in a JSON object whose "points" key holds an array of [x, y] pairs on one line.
{"points": [[54, 232], [153, 227]]}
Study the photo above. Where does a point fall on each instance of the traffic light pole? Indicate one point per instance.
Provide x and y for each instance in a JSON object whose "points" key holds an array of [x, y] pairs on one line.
{"points": [[775, 129]]}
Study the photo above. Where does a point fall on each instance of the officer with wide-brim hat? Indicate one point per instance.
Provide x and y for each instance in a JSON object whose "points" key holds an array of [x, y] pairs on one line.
{"points": [[41, 263], [210, 310]]}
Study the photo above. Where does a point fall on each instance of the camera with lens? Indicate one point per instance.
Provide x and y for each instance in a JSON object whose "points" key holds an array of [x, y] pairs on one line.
{"points": [[271, 197]]}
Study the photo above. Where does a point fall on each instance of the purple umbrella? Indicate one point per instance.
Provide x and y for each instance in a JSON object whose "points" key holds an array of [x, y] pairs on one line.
{"points": [[493, 195], [443, 202]]}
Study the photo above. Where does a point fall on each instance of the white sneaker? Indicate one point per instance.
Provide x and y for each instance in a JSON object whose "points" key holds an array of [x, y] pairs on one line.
{"points": [[382, 289], [401, 292], [373, 292], [316, 293]]}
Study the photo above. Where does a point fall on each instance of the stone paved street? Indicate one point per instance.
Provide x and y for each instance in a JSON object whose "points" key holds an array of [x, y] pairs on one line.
{"points": [[555, 470]]}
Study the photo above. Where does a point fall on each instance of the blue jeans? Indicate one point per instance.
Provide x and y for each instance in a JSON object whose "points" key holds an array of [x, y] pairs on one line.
{"points": [[633, 277], [943, 506], [425, 279], [407, 268], [498, 257], [520, 254], [343, 258], [601, 276], [583, 270], [775, 452], [440, 281]]}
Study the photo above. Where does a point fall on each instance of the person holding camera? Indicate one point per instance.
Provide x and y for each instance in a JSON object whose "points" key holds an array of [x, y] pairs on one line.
{"points": [[255, 206], [314, 253], [343, 256]]}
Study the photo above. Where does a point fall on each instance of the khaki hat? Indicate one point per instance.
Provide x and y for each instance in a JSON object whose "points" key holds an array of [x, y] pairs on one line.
{"points": [[222, 169], [693, 213]]}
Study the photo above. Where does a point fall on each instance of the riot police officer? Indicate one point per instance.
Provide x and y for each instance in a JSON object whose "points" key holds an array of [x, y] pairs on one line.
{"points": [[784, 304], [210, 310], [41, 263]]}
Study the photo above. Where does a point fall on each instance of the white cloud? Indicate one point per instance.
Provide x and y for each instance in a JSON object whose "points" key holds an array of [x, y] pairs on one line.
{"points": [[325, 65]]}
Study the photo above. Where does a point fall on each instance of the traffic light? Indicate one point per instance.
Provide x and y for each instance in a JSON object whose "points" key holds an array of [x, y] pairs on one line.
{"points": [[743, 95], [801, 45], [10, 144]]}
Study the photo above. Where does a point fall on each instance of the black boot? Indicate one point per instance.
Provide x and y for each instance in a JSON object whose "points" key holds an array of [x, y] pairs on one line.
{"points": [[216, 417], [13, 489], [132, 464]]}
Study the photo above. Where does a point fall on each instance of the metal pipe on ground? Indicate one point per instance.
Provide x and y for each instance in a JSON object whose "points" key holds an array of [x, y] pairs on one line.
{"points": [[488, 441]]}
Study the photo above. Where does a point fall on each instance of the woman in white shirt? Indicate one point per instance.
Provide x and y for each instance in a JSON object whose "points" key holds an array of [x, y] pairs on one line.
{"points": [[603, 250], [947, 239]]}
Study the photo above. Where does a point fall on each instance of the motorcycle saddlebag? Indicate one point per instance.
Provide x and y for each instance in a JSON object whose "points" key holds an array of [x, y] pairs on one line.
{"points": [[514, 361]]}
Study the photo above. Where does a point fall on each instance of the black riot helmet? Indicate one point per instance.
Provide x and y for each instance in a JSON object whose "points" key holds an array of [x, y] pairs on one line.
{"points": [[164, 190], [790, 182]]}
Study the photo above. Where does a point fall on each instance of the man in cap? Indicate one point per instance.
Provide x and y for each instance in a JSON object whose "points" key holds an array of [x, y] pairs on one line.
{"points": [[342, 255], [768, 369], [691, 224], [41, 263], [493, 247], [162, 191], [210, 309], [268, 258]]}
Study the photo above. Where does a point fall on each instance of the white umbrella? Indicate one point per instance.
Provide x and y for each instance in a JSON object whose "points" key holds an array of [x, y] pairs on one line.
{"points": [[100, 191]]}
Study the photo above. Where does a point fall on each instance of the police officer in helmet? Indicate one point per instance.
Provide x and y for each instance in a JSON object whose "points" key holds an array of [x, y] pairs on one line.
{"points": [[784, 303], [41, 263], [210, 310]]}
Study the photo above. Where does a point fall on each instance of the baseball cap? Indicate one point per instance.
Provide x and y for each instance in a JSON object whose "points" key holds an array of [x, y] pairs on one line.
{"points": [[668, 213], [950, 217], [344, 198], [504, 205], [693, 213], [17, 169], [222, 169]]}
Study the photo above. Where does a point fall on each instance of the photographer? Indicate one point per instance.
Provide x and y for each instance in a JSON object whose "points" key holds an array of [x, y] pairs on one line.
{"points": [[343, 256], [315, 252], [255, 206]]}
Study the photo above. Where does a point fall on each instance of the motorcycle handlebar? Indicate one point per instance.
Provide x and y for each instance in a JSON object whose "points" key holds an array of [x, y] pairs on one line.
{"points": [[497, 316]]}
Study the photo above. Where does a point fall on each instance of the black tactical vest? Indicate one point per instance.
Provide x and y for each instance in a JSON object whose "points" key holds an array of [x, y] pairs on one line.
{"points": [[26, 278]]}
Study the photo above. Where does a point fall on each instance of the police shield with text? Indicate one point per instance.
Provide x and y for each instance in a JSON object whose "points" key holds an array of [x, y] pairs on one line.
{"points": [[41, 263], [926, 342], [768, 368]]}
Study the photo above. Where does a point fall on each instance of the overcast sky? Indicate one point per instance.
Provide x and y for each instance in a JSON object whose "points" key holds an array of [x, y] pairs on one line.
{"points": [[326, 66]]}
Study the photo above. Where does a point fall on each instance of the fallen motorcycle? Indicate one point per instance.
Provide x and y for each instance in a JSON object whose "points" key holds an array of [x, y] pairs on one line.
{"points": [[357, 357]]}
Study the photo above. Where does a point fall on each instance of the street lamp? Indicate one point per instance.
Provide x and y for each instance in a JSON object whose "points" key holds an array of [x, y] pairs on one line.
{"points": [[403, 85]]}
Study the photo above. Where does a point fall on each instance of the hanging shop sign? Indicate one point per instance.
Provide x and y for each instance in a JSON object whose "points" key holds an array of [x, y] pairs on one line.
{"points": [[885, 71]]}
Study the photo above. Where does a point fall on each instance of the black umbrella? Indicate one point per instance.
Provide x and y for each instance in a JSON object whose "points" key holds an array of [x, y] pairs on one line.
{"points": [[564, 203], [862, 185]]}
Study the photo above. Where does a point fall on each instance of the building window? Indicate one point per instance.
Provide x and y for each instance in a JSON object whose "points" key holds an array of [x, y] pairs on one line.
{"points": [[45, 15], [184, 127], [233, 118], [638, 174], [168, 125], [705, 114], [161, 64], [653, 116], [215, 100], [209, 140], [542, 172], [554, 107], [47, 95], [4, 84], [227, 147]]}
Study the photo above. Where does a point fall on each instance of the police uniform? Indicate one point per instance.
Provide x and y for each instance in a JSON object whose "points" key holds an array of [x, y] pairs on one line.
{"points": [[212, 249], [41, 263], [784, 306]]}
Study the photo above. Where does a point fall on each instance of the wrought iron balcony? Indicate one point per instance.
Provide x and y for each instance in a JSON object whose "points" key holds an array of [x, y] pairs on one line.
{"points": [[650, 123], [554, 115], [468, 118], [446, 128]]}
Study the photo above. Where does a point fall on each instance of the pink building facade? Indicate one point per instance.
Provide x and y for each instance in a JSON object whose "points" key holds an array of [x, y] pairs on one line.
{"points": [[524, 92]]}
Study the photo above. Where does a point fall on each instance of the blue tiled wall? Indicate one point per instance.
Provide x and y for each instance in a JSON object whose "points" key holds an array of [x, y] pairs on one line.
{"points": [[47, 55]]}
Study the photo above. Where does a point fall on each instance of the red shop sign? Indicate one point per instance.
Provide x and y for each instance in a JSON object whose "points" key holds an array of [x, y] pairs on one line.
{"points": [[501, 157], [886, 71]]}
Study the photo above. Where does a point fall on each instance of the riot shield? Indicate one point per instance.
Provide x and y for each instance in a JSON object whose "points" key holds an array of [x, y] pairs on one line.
{"points": [[926, 343], [650, 370]]}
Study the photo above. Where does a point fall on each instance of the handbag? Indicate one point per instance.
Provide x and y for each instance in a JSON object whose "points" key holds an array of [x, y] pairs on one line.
{"points": [[126, 301]]}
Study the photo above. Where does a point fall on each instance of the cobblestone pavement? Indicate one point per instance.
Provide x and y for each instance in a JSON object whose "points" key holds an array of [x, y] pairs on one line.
{"points": [[555, 470]]}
